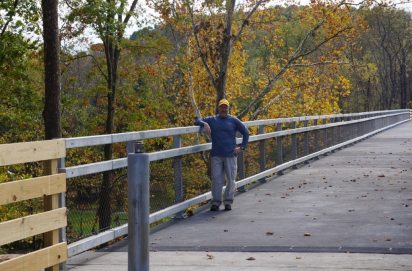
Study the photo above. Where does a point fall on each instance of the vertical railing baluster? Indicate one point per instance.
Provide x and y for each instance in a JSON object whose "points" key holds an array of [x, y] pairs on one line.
{"points": [[294, 145], [306, 141], [279, 147], [325, 136], [177, 143], [339, 131], [332, 136], [241, 168], [262, 153], [315, 123]]}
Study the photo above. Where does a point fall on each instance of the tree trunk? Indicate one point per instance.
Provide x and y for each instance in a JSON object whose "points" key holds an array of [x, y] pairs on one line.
{"points": [[403, 81], [52, 99], [112, 58], [225, 54]]}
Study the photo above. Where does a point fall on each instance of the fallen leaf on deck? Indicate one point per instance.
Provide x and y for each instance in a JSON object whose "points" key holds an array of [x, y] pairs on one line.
{"points": [[190, 213], [298, 258], [210, 256], [250, 259], [306, 234], [269, 233]]}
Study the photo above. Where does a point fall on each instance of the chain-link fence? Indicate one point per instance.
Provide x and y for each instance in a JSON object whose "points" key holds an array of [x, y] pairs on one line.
{"points": [[86, 200], [92, 211]]}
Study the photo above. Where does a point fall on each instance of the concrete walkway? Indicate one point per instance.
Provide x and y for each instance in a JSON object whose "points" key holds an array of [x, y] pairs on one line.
{"points": [[347, 211]]}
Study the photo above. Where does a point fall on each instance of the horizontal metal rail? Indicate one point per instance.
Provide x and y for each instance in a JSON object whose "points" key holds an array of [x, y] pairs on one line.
{"points": [[88, 141], [97, 167]]}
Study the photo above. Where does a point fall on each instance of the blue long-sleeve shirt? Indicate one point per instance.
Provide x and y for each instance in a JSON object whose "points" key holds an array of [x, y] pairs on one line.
{"points": [[224, 134]]}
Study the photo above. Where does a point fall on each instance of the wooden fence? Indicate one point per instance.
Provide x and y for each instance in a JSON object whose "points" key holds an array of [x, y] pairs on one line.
{"points": [[47, 223]]}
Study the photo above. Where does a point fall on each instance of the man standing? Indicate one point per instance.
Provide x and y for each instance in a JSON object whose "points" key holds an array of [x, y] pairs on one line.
{"points": [[222, 128]]}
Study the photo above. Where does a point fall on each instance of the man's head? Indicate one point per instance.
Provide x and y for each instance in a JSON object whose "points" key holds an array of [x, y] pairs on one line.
{"points": [[223, 108]]}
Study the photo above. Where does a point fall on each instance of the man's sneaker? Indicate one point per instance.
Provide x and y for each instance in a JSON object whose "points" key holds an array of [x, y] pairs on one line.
{"points": [[214, 208], [228, 207]]}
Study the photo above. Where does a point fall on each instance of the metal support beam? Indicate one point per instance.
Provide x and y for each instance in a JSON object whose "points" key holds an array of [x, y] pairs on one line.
{"points": [[262, 155], [177, 143], [138, 194]]}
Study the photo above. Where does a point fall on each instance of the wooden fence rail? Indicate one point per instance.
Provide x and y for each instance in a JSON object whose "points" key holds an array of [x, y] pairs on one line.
{"points": [[47, 223]]}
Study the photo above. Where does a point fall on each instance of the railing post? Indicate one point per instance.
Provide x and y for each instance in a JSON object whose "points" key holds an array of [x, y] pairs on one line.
{"points": [[315, 123], [306, 141], [363, 128], [294, 145], [279, 147], [177, 143], [332, 138], [51, 202], [262, 153], [241, 168], [138, 205], [325, 136], [338, 131], [352, 128], [62, 203]]}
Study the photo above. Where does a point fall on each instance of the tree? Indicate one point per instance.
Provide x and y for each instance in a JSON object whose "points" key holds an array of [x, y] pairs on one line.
{"points": [[20, 91], [390, 37], [108, 19], [52, 99], [213, 32], [379, 72]]}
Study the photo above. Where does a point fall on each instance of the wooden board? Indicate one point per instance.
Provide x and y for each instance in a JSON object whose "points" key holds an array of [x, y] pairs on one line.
{"points": [[37, 260], [32, 188], [27, 226], [51, 202], [25, 152]]}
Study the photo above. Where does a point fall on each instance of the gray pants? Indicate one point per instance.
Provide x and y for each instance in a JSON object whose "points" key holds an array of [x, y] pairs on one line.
{"points": [[222, 166]]}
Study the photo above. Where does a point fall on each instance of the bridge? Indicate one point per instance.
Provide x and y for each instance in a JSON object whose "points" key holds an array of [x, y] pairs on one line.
{"points": [[329, 191], [349, 210]]}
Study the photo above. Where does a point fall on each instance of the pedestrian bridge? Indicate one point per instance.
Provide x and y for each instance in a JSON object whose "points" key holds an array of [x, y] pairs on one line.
{"points": [[336, 183], [352, 208]]}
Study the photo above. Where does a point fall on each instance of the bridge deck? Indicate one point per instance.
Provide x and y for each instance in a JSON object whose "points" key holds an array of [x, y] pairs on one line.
{"points": [[357, 200]]}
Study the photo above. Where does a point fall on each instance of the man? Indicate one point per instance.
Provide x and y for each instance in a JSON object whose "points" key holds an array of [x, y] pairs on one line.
{"points": [[222, 128]]}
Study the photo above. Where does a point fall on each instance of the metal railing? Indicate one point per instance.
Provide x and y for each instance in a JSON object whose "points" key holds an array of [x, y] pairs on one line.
{"points": [[274, 145]]}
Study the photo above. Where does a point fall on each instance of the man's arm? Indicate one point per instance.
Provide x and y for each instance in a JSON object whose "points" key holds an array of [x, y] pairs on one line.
{"points": [[245, 132], [204, 124]]}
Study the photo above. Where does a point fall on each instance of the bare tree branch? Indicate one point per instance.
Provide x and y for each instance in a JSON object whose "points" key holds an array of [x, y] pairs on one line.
{"points": [[261, 109], [8, 21], [247, 19], [319, 63], [93, 57]]}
